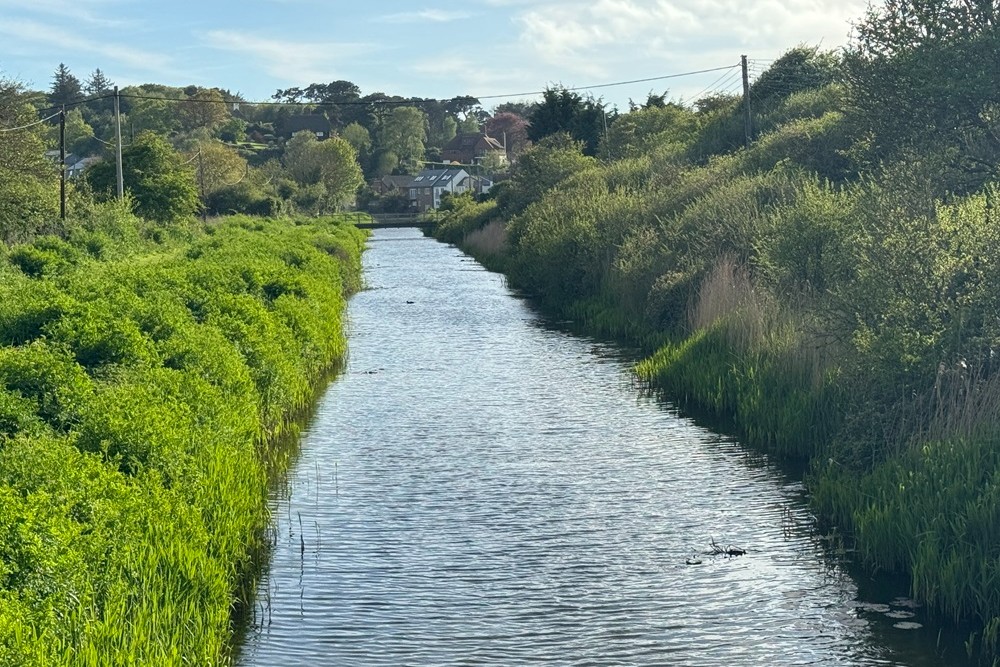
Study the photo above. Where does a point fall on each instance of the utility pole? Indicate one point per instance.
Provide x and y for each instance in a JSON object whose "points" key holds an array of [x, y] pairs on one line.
{"points": [[118, 146], [747, 127], [62, 164], [201, 182]]}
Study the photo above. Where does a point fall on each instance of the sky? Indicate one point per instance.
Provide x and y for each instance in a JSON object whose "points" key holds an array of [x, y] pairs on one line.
{"points": [[491, 49]]}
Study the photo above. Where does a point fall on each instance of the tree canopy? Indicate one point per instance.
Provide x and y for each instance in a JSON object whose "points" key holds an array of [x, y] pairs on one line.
{"points": [[563, 110], [162, 187]]}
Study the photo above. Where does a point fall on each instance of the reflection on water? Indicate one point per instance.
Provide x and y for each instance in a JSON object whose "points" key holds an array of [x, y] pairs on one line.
{"points": [[480, 489]]}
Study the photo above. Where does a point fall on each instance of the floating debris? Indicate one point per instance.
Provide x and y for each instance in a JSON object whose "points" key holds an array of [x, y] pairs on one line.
{"points": [[693, 561], [907, 625], [875, 607], [729, 550], [906, 602]]}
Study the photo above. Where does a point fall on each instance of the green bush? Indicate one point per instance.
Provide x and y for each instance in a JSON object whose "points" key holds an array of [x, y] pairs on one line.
{"points": [[138, 391]]}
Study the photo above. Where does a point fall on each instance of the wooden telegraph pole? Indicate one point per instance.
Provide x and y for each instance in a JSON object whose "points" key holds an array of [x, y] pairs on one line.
{"points": [[747, 119], [118, 145], [62, 164]]}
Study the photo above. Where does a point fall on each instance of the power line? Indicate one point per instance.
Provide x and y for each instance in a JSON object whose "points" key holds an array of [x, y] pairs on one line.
{"points": [[25, 127], [616, 83], [363, 102], [413, 101]]}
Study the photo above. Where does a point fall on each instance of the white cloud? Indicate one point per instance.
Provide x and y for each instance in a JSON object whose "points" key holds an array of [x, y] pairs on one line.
{"points": [[596, 38], [28, 31], [75, 11], [288, 60], [425, 16]]}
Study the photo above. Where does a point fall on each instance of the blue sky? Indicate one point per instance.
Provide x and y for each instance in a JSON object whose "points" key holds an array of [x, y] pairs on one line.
{"points": [[473, 47]]}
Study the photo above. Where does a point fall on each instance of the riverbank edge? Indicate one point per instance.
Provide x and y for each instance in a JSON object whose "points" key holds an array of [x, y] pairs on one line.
{"points": [[780, 410]]}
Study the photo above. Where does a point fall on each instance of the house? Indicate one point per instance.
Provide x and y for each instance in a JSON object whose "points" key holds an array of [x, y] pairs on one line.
{"points": [[474, 148], [315, 123], [430, 184], [78, 166], [391, 184]]}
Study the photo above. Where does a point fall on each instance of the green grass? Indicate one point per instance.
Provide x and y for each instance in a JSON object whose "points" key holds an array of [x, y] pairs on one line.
{"points": [[138, 395]]}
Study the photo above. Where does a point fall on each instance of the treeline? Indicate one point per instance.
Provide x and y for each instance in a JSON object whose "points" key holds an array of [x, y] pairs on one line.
{"points": [[309, 151], [833, 289], [143, 371]]}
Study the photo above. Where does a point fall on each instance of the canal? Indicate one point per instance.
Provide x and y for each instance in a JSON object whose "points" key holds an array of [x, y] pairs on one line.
{"points": [[480, 487]]}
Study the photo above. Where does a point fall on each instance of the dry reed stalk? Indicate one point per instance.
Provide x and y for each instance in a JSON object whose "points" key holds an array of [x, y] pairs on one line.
{"points": [[488, 240]]}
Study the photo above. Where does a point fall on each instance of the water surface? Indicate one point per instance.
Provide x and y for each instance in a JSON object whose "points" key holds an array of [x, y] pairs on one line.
{"points": [[481, 488]]}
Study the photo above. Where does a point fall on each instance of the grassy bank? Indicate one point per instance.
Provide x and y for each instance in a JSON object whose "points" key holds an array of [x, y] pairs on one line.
{"points": [[141, 374], [837, 312]]}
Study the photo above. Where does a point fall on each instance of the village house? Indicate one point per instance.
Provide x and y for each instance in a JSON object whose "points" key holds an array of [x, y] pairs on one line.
{"points": [[391, 184], [430, 184], [474, 148], [315, 123], [78, 166]]}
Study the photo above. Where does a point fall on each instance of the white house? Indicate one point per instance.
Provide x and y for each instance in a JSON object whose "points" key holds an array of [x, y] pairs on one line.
{"points": [[428, 186]]}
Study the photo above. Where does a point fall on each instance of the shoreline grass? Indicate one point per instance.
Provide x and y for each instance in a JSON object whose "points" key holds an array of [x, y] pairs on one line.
{"points": [[138, 395]]}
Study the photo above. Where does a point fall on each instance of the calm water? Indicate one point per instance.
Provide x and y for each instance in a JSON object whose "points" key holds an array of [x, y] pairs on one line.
{"points": [[479, 488]]}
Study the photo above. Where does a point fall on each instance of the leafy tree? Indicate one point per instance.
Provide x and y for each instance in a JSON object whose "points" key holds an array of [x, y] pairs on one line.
{"points": [[633, 134], [205, 108], [542, 166], [79, 135], [218, 166], [331, 164], [384, 162], [163, 188], [798, 69], [28, 186], [147, 110], [510, 128], [564, 110], [358, 137], [66, 88], [403, 132], [923, 76], [522, 109]]}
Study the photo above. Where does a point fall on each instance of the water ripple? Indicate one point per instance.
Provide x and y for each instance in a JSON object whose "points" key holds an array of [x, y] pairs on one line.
{"points": [[478, 489]]}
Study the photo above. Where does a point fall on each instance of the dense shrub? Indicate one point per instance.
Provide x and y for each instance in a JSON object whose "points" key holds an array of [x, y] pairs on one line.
{"points": [[138, 388]]}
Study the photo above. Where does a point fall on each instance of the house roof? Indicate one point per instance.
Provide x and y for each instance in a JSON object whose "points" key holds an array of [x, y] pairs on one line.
{"points": [[310, 122], [429, 178], [400, 182], [466, 147]]}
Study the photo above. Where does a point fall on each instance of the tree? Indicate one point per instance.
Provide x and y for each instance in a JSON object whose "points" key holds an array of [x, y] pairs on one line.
{"points": [[204, 108], [564, 110], [66, 88], [923, 76], [148, 110], [28, 182], [79, 135], [798, 69], [632, 134], [98, 84], [404, 133], [163, 188], [219, 166], [542, 166], [332, 165], [511, 129], [358, 137]]}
